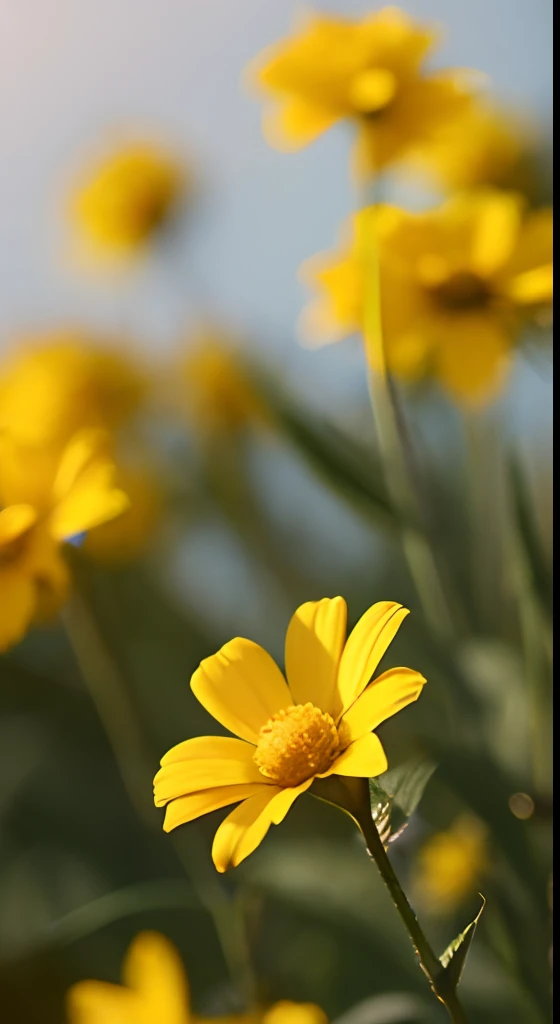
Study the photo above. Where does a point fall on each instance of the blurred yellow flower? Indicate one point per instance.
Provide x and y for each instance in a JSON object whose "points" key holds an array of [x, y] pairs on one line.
{"points": [[318, 725], [451, 864], [68, 382], [124, 538], [45, 501], [456, 284], [127, 198], [369, 71], [483, 147], [219, 395], [155, 991]]}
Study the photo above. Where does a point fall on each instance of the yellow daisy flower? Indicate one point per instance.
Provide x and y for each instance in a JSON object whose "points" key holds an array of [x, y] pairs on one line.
{"points": [[219, 395], [43, 502], [127, 198], [368, 71], [156, 991], [456, 283], [124, 538], [451, 864], [316, 724], [69, 382]]}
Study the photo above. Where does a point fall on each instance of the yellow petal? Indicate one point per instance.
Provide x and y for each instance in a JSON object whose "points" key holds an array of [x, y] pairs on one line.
{"points": [[384, 697], [210, 748], [294, 1013], [246, 826], [314, 644], [364, 758], [295, 123], [365, 648], [153, 969], [496, 232], [242, 687], [92, 500], [98, 1002], [15, 521], [532, 287], [184, 777], [17, 604], [472, 359], [187, 808], [82, 451]]}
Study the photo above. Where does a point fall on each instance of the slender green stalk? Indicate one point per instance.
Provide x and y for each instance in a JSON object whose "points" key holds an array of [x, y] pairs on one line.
{"points": [[352, 795], [112, 698]]}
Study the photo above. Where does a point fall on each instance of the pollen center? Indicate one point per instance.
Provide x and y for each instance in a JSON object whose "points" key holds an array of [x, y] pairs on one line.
{"points": [[462, 291], [295, 744], [373, 90]]}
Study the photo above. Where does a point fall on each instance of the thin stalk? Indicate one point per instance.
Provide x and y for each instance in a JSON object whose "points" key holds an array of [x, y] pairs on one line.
{"points": [[110, 693]]}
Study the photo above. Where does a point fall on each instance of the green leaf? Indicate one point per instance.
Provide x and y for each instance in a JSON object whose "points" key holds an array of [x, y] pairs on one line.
{"points": [[395, 795], [454, 957], [538, 570]]}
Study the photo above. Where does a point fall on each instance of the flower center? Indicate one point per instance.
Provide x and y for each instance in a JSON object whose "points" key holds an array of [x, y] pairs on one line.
{"points": [[462, 291], [296, 744], [372, 91]]}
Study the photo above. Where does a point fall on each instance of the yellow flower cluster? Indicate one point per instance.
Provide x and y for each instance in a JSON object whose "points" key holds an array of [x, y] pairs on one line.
{"points": [[155, 991]]}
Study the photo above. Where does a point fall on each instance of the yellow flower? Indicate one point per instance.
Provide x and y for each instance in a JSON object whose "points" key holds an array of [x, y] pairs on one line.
{"points": [[69, 383], [484, 147], [155, 991], [43, 502], [368, 71], [451, 864], [124, 538], [317, 724], [220, 397], [457, 283], [127, 198]]}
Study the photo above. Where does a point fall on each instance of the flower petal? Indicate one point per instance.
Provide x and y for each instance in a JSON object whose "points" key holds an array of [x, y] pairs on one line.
{"points": [[314, 644], [187, 808], [365, 647], [208, 748], [184, 777], [18, 598], [93, 500], [533, 286], [496, 232], [242, 687], [473, 357], [242, 831], [384, 697], [364, 758], [15, 521], [295, 123], [90, 1001], [154, 970]]}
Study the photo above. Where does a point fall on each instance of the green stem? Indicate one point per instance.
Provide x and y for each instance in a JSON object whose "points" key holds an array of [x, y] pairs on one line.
{"points": [[111, 696], [352, 795]]}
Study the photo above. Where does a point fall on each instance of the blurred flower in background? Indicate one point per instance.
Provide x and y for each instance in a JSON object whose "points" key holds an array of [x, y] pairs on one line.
{"points": [[370, 72], [47, 501], [451, 865], [456, 285], [218, 397], [125, 538], [155, 991], [126, 198]]}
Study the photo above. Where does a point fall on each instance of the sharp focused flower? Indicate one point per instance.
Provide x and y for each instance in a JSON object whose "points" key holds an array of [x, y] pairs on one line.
{"points": [[451, 864], [219, 395], [43, 503], [370, 72], [316, 724], [127, 198], [155, 991], [456, 285], [69, 382]]}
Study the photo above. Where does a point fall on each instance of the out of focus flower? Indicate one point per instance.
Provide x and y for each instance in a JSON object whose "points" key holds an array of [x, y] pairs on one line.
{"points": [[55, 384], [456, 285], [219, 395], [126, 199], [451, 864], [124, 538], [318, 724], [155, 991], [484, 147], [45, 501], [368, 71]]}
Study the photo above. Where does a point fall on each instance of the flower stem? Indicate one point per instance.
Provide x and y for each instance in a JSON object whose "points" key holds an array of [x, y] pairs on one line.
{"points": [[111, 695]]}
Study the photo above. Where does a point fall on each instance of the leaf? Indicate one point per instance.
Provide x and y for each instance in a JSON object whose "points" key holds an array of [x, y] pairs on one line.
{"points": [[454, 957], [395, 795], [523, 508]]}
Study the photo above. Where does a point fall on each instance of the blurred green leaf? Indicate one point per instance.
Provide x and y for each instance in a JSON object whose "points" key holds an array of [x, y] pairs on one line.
{"points": [[454, 957], [523, 509]]}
